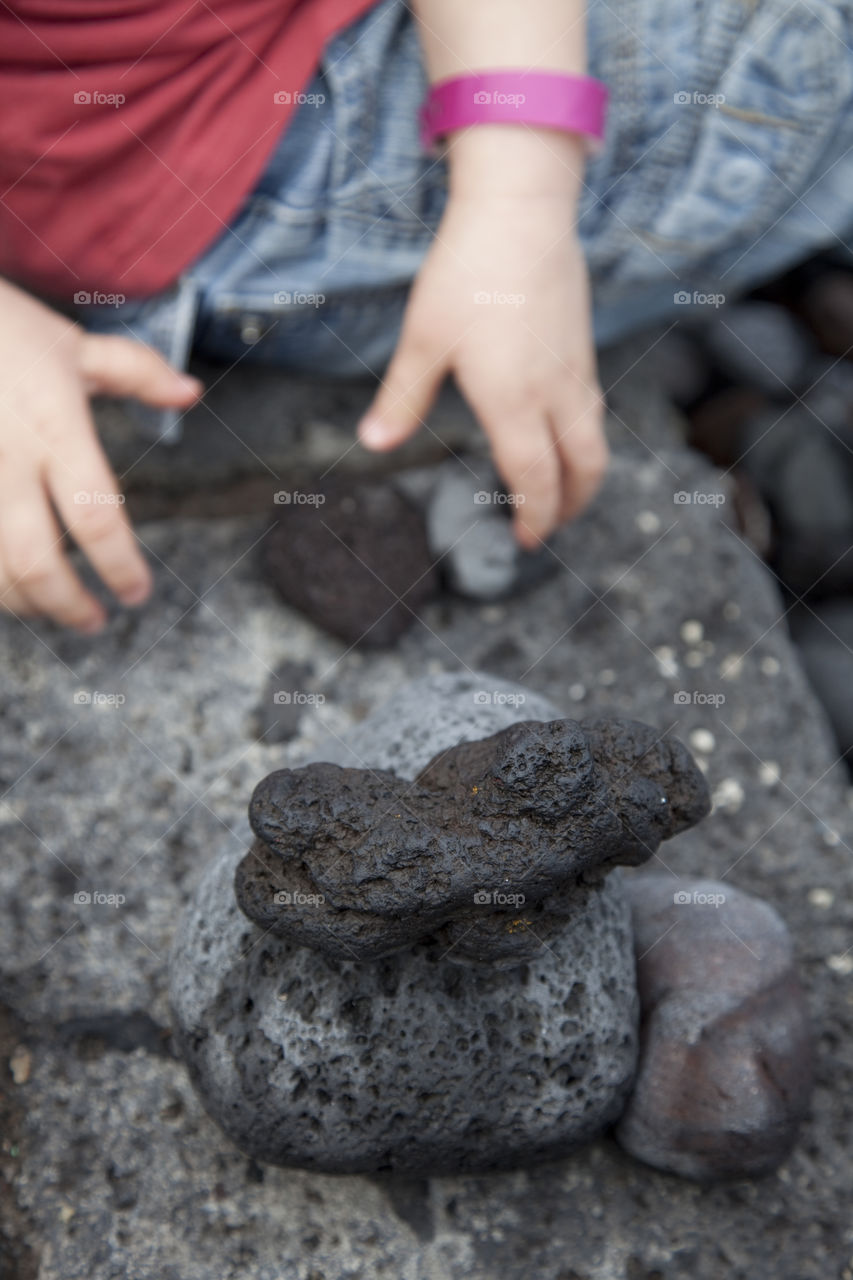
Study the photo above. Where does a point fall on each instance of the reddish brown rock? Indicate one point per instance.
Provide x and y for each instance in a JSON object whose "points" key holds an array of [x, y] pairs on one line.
{"points": [[354, 559], [725, 1069]]}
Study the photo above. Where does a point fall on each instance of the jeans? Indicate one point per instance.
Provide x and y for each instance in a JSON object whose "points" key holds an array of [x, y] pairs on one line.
{"points": [[728, 157]]}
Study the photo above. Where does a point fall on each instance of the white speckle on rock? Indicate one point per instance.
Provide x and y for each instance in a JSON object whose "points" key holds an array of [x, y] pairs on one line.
{"points": [[692, 632], [731, 611], [821, 898], [647, 521], [770, 666], [729, 795], [694, 658], [607, 676], [702, 740], [665, 657], [841, 964], [683, 546], [577, 692], [831, 838], [492, 613], [731, 667], [769, 773]]}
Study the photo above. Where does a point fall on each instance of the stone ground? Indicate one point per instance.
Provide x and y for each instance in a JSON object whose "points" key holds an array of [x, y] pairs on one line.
{"points": [[110, 1169]]}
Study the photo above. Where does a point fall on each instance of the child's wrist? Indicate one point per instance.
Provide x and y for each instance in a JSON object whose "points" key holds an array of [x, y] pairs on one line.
{"points": [[515, 160]]}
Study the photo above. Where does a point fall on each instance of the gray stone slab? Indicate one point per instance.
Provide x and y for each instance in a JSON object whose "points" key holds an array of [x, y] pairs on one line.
{"points": [[659, 613]]}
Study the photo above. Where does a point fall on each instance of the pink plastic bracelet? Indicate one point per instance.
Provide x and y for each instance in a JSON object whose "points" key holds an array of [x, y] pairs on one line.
{"points": [[574, 104]]}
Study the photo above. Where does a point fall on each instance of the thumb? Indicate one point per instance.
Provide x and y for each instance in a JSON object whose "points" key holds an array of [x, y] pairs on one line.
{"points": [[121, 367], [408, 390]]}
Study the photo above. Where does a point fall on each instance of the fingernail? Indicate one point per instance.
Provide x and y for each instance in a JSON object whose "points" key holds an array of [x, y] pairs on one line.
{"points": [[136, 595], [189, 383], [373, 432]]}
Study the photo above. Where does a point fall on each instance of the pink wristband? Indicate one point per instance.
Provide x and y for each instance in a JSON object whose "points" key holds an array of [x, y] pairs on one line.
{"points": [[574, 104]]}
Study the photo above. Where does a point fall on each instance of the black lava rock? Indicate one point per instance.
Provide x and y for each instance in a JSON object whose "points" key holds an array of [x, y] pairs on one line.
{"points": [[805, 475], [485, 849], [354, 560], [823, 634]]}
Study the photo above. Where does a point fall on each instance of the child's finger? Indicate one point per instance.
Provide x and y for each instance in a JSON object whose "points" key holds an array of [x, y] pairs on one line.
{"points": [[584, 454], [121, 367], [406, 396], [524, 454], [85, 493], [33, 563], [11, 599]]}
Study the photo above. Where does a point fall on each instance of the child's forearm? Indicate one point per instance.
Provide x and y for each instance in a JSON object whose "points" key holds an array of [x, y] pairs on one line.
{"points": [[541, 35]]}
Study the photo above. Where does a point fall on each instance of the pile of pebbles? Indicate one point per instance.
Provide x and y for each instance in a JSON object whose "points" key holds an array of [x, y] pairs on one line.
{"points": [[766, 384]]}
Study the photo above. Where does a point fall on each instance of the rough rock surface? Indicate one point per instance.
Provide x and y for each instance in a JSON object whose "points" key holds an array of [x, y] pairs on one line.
{"points": [[114, 1172], [411, 1064], [725, 1071], [353, 557], [359, 863]]}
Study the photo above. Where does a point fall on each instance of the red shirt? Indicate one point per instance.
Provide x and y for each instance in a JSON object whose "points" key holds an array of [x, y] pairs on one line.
{"points": [[131, 132]]}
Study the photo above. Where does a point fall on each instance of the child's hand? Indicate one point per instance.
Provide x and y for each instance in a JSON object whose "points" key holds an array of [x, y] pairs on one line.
{"points": [[502, 302], [51, 462]]}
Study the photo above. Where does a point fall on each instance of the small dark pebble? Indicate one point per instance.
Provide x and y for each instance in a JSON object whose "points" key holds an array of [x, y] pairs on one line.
{"points": [[355, 563]]}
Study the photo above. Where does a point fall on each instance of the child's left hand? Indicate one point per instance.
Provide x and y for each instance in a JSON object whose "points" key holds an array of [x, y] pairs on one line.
{"points": [[502, 302]]}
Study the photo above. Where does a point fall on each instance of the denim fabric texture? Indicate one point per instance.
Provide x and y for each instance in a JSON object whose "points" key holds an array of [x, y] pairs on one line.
{"points": [[728, 156]]}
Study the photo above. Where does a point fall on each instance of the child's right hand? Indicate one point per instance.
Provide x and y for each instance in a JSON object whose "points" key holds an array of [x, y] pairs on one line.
{"points": [[52, 464]]}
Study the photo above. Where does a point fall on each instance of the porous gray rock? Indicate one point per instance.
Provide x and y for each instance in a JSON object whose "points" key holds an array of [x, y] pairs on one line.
{"points": [[321, 1062], [140, 798], [726, 1065], [410, 1064]]}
